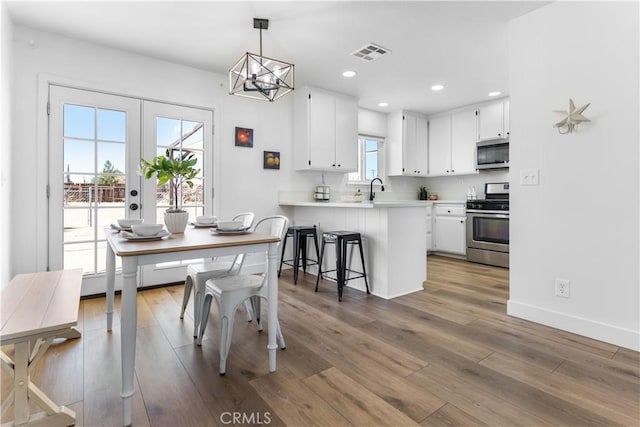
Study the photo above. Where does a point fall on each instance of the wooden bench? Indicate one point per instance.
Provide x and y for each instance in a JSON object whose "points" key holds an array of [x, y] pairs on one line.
{"points": [[35, 309]]}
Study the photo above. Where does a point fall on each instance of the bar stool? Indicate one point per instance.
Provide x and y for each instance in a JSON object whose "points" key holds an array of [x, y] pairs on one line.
{"points": [[342, 239], [299, 234]]}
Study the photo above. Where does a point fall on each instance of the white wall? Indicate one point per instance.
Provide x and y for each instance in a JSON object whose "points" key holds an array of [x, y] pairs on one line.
{"points": [[6, 64], [241, 183], [582, 222]]}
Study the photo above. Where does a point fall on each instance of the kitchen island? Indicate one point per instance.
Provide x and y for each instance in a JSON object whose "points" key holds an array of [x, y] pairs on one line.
{"points": [[394, 240]]}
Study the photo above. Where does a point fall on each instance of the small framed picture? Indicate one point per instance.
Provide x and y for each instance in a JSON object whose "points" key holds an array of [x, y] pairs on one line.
{"points": [[244, 137], [271, 160]]}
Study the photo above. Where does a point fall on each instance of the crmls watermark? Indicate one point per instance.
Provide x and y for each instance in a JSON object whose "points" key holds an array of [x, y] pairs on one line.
{"points": [[245, 418]]}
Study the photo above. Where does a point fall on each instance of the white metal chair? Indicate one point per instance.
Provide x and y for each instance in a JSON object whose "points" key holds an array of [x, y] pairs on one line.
{"points": [[198, 274], [230, 292]]}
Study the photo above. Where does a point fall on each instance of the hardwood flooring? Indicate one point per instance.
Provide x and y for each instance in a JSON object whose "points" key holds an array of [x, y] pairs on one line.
{"points": [[447, 356]]}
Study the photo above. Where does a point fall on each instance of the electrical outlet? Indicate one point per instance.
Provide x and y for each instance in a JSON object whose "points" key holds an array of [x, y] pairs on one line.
{"points": [[529, 176], [563, 288]]}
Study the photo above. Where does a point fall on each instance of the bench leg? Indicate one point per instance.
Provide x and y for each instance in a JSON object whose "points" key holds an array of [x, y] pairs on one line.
{"points": [[24, 391], [21, 383]]}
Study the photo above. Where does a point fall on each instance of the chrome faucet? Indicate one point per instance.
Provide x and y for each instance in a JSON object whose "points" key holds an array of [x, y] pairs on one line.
{"points": [[372, 195]]}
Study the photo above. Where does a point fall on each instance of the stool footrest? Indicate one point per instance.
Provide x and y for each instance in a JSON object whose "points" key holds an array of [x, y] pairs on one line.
{"points": [[335, 279], [290, 262]]}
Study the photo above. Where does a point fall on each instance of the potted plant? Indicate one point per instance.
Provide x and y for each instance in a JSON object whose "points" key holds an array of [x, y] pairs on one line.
{"points": [[175, 171]]}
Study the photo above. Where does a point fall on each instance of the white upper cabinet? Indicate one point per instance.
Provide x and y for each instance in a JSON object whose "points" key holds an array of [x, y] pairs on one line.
{"points": [[407, 144], [463, 142], [440, 145], [452, 143], [507, 117], [325, 131], [493, 121]]}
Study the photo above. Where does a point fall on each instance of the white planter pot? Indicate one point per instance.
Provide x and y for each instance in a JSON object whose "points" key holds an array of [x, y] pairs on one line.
{"points": [[176, 222]]}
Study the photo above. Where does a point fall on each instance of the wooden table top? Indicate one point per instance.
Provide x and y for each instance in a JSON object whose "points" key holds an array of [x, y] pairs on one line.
{"points": [[192, 239]]}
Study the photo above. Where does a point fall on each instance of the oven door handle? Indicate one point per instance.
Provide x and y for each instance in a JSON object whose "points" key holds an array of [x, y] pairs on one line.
{"points": [[485, 214]]}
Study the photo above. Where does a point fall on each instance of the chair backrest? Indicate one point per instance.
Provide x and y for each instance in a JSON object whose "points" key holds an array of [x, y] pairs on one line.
{"points": [[238, 260], [246, 218], [275, 225]]}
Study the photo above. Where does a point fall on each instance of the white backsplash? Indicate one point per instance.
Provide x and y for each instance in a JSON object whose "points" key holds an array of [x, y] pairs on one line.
{"points": [[400, 188], [455, 188]]}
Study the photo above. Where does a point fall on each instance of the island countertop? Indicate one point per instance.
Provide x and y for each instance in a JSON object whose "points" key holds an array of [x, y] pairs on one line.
{"points": [[365, 204]]}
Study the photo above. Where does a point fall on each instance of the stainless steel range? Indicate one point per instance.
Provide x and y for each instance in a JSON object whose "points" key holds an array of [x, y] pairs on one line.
{"points": [[488, 226]]}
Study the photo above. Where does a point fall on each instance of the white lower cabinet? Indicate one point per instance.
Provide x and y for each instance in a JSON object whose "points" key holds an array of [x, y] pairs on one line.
{"points": [[450, 229], [429, 229]]}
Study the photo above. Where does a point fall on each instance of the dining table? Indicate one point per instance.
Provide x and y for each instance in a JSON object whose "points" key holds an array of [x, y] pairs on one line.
{"points": [[193, 243]]}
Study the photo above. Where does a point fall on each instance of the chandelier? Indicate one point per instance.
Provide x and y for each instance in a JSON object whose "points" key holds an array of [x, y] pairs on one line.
{"points": [[258, 77]]}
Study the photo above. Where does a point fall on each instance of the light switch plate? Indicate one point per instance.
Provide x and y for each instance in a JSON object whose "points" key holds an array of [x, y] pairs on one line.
{"points": [[529, 176]]}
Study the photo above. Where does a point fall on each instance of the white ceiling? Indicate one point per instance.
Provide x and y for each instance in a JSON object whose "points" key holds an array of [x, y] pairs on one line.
{"points": [[462, 45]]}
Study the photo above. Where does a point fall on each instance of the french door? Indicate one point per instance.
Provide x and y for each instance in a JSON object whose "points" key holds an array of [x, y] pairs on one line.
{"points": [[96, 142], [177, 129]]}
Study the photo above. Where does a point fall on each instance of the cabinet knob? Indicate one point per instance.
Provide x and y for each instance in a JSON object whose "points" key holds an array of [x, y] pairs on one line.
{"points": [[133, 193], [499, 134], [339, 165], [452, 170], [333, 165], [461, 222], [133, 206]]}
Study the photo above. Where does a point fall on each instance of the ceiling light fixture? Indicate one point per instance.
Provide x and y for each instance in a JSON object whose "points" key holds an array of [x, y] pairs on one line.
{"points": [[437, 87], [383, 104], [349, 73], [496, 93], [258, 77]]}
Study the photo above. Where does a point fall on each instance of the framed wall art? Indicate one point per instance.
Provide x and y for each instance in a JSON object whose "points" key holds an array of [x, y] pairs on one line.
{"points": [[244, 137], [271, 160]]}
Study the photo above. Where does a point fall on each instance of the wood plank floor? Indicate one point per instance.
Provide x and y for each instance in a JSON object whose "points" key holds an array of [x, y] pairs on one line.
{"points": [[447, 356]]}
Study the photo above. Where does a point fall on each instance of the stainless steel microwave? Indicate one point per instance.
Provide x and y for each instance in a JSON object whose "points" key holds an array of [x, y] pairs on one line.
{"points": [[492, 154]]}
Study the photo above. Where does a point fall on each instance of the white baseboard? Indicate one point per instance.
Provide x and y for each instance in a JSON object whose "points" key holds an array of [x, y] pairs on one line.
{"points": [[612, 334]]}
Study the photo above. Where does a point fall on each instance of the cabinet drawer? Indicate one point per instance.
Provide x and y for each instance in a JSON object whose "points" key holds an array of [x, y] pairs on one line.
{"points": [[450, 210]]}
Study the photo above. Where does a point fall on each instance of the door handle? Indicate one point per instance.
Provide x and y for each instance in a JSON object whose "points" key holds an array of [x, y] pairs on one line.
{"points": [[133, 206]]}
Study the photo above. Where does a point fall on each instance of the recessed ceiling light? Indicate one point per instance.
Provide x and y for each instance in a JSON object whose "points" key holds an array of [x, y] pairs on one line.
{"points": [[496, 93], [437, 87], [349, 73], [383, 104]]}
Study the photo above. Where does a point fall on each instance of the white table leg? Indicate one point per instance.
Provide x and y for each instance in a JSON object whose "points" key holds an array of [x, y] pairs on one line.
{"points": [[128, 326], [272, 283], [111, 287]]}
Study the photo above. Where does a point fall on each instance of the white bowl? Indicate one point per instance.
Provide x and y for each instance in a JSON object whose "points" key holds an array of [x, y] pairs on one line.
{"points": [[206, 219], [146, 229], [128, 222], [230, 225]]}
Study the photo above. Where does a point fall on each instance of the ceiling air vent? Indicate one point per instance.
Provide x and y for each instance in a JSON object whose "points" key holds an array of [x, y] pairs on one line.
{"points": [[370, 52]]}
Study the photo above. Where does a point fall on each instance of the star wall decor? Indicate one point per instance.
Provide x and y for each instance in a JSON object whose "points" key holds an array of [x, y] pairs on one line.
{"points": [[572, 118]]}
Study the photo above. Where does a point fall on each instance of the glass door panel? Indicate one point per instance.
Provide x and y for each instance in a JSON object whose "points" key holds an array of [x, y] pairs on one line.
{"points": [[178, 130], [94, 147]]}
